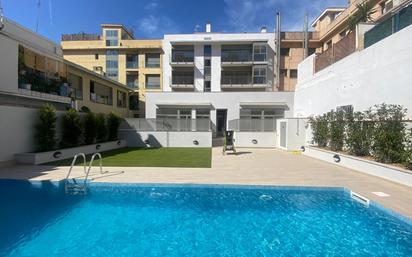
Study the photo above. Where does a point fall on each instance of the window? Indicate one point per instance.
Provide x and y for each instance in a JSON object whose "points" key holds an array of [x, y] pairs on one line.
{"points": [[121, 99], [207, 87], [153, 81], [207, 50], [202, 114], [100, 94], [259, 75], [259, 119], [112, 37], [311, 51], [76, 86], [96, 56], [132, 80], [134, 102], [153, 60], [112, 64], [284, 72], [259, 53], [293, 73], [284, 51], [328, 45], [132, 61]]}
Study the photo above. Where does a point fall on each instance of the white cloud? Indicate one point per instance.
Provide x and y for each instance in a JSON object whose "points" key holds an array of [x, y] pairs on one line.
{"points": [[156, 26], [151, 5]]}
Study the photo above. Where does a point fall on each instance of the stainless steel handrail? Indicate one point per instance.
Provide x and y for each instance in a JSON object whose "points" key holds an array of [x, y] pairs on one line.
{"points": [[74, 161]]}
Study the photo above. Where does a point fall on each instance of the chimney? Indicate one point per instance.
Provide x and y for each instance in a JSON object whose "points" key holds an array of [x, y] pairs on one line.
{"points": [[263, 29], [208, 27]]}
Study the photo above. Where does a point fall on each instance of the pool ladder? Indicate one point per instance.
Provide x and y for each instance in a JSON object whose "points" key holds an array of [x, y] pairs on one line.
{"points": [[79, 187]]}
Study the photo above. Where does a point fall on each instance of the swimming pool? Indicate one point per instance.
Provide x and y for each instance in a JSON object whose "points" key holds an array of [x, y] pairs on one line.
{"points": [[39, 219]]}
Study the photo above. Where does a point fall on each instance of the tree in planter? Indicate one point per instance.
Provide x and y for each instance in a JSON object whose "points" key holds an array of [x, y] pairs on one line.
{"points": [[337, 129], [363, 13], [389, 134], [113, 123], [359, 133], [71, 129], [101, 129], [320, 130], [45, 129], [90, 129]]}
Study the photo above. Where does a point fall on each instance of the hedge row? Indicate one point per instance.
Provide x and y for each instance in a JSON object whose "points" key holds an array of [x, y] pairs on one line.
{"points": [[379, 132], [76, 130]]}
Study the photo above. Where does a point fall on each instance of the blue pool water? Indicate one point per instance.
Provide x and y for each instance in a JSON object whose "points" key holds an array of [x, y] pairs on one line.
{"points": [[39, 219]]}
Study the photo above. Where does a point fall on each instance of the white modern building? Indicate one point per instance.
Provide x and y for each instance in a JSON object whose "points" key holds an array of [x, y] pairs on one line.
{"points": [[227, 78]]}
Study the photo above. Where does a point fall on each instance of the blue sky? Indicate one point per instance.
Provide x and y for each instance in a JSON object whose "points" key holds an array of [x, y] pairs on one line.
{"points": [[153, 18]]}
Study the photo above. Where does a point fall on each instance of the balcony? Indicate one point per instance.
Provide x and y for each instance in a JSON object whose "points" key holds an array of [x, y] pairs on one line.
{"points": [[182, 58], [80, 37], [182, 81], [242, 81], [238, 57], [298, 36]]}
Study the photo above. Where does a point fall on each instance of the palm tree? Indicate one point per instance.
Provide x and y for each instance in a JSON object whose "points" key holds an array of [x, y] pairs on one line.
{"points": [[363, 14]]}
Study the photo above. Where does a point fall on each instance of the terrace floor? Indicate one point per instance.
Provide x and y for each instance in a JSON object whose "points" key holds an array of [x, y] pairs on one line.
{"points": [[248, 167]]}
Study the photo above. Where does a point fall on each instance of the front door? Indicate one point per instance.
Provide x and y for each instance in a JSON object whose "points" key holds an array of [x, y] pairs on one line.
{"points": [[221, 120]]}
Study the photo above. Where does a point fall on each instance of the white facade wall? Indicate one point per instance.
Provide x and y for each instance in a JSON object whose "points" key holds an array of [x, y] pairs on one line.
{"points": [[166, 138], [378, 74], [219, 100]]}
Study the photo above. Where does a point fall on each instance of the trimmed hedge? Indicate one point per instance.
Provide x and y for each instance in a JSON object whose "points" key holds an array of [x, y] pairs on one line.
{"points": [[76, 129], [379, 132]]}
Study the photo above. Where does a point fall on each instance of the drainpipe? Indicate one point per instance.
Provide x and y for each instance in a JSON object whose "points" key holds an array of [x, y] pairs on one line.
{"points": [[305, 37], [277, 38]]}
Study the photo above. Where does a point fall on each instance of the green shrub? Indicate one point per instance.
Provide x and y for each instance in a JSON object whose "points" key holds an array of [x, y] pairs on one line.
{"points": [[320, 130], [71, 129], [45, 129], [101, 129], [407, 159], [337, 129], [389, 134], [89, 125], [359, 133], [113, 123]]}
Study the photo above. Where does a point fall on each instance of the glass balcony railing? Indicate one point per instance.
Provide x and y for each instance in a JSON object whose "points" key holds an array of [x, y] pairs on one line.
{"points": [[237, 80], [182, 56], [132, 65], [236, 56], [182, 80], [132, 85]]}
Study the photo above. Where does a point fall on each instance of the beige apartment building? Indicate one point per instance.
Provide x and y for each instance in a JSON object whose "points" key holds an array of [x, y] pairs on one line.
{"points": [[330, 30], [34, 73], [117, 55]]}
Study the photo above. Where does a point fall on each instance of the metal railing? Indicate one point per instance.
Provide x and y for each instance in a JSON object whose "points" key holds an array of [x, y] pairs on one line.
{"points": [[80, 37], [253, 124], [167, 124]]}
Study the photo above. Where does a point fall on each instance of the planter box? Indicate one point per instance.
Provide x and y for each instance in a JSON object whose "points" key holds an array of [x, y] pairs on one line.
{"points": [[392, 173], [43, 157]]}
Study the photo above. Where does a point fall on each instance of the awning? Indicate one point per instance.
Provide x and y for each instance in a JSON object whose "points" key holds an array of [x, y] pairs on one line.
{"points": [[264, 105], [186, 105]]}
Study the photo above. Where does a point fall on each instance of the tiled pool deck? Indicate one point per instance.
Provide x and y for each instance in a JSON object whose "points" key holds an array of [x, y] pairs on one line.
{"points": [[249, 167]]}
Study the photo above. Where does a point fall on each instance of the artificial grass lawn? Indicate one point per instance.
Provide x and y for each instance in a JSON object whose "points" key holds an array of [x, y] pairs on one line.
{"points": [[150, 157]]}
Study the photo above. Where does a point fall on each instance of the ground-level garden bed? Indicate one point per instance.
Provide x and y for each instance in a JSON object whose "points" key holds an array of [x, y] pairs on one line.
{"points": [[151, 157]]}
